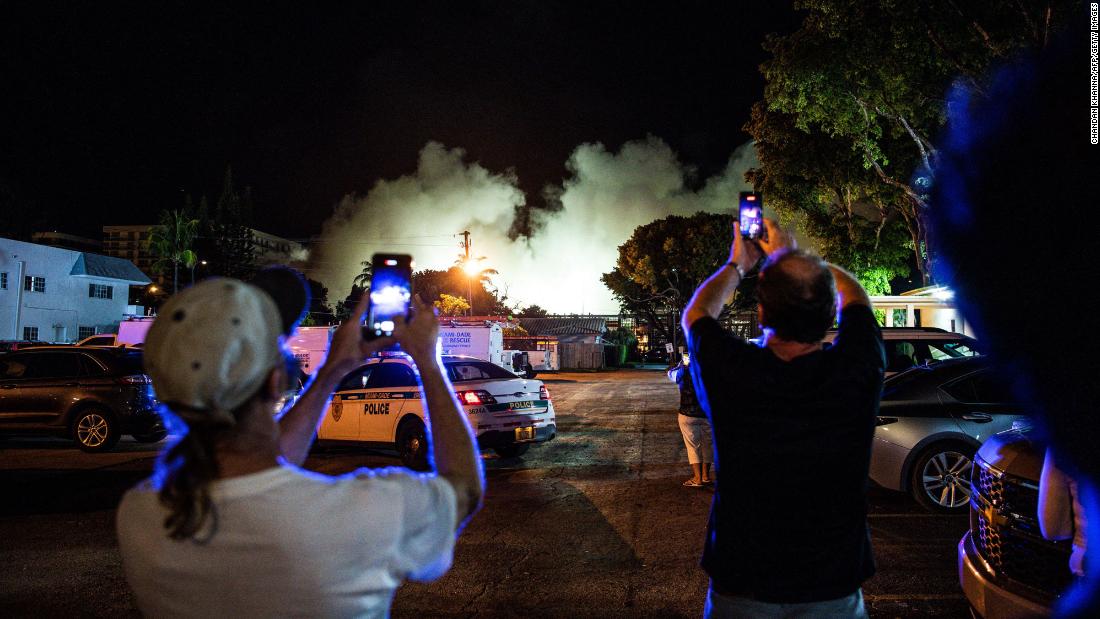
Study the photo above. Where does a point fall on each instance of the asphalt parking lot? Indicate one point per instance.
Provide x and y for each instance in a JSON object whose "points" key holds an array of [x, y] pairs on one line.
{"points": [[594, 523]]}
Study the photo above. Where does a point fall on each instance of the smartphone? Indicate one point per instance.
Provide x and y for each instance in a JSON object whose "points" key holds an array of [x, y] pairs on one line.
{"points": [[751, 215], [390, 293]]}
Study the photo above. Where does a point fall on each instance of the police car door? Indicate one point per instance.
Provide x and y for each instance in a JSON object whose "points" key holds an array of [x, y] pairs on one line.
{"points": [[346, 408], [389, 386]]}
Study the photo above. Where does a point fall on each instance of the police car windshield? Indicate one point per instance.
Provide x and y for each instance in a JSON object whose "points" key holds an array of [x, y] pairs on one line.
{"points": [[461, 371]]}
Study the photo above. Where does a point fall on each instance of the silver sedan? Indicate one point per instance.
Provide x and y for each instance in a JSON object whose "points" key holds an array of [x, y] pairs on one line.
{"points": [[931, 421]]}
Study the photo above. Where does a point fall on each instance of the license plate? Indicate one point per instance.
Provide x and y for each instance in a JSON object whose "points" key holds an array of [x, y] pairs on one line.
{"points": [[525, 434], [521, 405]]}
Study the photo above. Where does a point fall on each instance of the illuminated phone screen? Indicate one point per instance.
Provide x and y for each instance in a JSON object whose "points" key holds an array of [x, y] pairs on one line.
{"points": [[751, 214], [390, 292]]}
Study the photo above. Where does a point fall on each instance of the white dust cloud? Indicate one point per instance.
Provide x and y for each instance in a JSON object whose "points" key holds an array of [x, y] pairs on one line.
{"points": [[607, 195]]}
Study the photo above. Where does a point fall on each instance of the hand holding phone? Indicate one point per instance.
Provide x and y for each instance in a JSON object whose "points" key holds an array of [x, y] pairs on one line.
{"points": [[390, 293]]}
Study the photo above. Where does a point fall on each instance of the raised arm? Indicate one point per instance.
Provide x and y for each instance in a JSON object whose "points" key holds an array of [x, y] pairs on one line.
{"points": [[717, 291], [848, 289], [348, 349], [452, 442]]}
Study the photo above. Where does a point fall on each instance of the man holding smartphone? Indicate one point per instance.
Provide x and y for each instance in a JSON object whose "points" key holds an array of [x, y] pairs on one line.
{"points": [[229, 526], [793, 423]]}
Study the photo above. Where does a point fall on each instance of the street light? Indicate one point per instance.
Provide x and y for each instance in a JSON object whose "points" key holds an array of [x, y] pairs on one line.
{"points": [[202, 262]]}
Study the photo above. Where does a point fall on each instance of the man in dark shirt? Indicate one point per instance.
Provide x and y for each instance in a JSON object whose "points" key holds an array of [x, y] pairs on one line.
{"points": [[793, 423]]}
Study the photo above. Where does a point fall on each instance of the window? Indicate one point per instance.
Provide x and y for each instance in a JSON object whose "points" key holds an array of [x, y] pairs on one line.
{"points": [[476, 370], [13, 366], [53, 365], [356, 379], [4, 280], [391, 375], [30, 333], [950, 350], [980, 387], [83, 332], [100, 291], [34, 284]]}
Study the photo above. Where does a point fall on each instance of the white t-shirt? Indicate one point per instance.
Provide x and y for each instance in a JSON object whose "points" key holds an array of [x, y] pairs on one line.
{"points": [[291, 543]]}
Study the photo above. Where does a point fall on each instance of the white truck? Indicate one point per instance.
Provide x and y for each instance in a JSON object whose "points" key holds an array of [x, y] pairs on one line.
{"points": [[483, 340], [131, 332], [309, 345]]}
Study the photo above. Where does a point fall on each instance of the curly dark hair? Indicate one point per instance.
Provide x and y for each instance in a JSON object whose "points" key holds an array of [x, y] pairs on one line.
{"points": [[797, 294]]}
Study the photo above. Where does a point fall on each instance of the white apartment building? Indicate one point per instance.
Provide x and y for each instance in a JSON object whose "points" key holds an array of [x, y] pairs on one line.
{"points": [[61, 295]]}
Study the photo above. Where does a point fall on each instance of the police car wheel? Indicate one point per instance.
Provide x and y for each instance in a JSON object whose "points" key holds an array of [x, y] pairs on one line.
{"points": [[412, 445], [512, 451]]}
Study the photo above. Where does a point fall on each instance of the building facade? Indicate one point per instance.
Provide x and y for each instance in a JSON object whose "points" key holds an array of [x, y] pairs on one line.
{"points": [[132, 243], [58, 295]]}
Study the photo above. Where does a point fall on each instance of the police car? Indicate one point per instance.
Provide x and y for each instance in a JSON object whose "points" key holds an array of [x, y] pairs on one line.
{"points": [[380, 403]]}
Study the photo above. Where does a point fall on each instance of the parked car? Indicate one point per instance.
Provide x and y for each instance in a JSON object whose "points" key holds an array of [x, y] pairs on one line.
{"points": [[910, 346], [931, 421], [1006, 568], [380, 403], [93, 395], [10, 345]]}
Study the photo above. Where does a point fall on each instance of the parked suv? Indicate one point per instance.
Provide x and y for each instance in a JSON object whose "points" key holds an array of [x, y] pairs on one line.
{"points": [[380, 403], [93, 395], [910, 346], [1006, 567]]}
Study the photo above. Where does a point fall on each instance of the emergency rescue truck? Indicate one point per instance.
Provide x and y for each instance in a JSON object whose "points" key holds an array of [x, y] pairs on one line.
{"points": [[380, 404]]}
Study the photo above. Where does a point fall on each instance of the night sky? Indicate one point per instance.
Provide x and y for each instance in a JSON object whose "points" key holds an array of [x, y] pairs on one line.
{"points": [[111, 114]]}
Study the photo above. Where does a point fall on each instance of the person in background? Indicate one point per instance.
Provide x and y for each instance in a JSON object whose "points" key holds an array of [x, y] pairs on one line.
{"points": [[793, 423], [229, 525], [1061, 515], [693, 425]]}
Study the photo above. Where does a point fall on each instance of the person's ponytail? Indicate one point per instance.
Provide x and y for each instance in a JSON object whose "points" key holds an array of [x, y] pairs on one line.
{"points": [[187, 468]]}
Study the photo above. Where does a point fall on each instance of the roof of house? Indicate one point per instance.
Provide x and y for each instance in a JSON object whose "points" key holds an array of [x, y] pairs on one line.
{"points": [[108, 267], [564, 326]]}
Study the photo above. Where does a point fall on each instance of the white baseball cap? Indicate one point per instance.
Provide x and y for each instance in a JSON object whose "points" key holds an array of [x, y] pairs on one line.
{"points": [[213, 344]]}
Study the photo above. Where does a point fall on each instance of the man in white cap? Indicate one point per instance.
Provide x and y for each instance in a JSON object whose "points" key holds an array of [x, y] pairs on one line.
{"points": [[229, 525]]}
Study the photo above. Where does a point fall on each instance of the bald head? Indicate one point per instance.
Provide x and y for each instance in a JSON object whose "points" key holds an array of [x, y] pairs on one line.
{"points": [[797, 296]]}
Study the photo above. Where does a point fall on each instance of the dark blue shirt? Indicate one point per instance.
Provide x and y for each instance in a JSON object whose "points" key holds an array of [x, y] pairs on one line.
{"points": [[793, 443]]}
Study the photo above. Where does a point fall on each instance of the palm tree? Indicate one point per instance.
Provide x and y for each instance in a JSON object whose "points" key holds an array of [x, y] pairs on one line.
{"points": [[170, 242], [363, 279]]}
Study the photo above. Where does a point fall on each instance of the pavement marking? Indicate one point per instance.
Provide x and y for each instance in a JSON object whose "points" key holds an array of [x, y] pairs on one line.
{"points": [[907, 597]]}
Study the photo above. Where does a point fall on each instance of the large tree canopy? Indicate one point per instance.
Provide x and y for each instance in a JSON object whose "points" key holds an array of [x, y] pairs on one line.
{"points": [[663, 262], [854, 99]]}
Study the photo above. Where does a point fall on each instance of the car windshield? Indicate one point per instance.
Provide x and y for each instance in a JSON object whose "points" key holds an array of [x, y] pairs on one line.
{"points": [[460, 371]]}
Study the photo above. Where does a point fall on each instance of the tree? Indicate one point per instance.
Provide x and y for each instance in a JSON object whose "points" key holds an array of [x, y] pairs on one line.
{"points": [[319, 312], [170, 243], [430, 284], [663, 262], [452, 306], [363, 279], [872, 76], [812, 179], [532, 311], [233, 250]]}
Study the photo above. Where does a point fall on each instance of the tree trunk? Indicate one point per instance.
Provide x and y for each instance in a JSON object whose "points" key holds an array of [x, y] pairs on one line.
{"points": [[175, 276]]}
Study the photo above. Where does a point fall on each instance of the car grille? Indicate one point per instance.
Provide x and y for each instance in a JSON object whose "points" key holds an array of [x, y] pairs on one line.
{"points": [[1005, 528]]}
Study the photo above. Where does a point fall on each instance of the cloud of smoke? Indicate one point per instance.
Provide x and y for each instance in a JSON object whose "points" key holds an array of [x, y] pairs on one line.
{"points": [[607, 195]]}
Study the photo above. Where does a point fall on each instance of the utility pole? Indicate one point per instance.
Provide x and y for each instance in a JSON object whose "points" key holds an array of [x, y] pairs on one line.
{"points": [[469, 277]]}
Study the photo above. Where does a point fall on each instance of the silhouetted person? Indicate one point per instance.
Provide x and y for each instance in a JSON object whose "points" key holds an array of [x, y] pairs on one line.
{"points": [[793, 423], [1015, 224], [694, 425]]}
